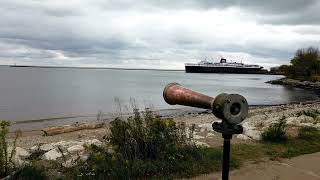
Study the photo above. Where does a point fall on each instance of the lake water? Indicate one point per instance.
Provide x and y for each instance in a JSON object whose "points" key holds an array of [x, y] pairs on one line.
{"points": [[33, 93]]}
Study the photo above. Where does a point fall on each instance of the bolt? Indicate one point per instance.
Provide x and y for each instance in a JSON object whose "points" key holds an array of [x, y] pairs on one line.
{"points": [[228, 101], [243, 101]]}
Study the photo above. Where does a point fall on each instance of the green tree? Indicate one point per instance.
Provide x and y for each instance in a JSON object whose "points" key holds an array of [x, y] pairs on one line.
{"points": [[305, 64]]}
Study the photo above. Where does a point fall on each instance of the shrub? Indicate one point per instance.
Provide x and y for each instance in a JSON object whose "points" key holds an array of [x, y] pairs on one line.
{"points": [[276, 132], [147, 137], [146, 146], [314, 113], [32, 172], [7, 164], [309, 133], [305, 64]]}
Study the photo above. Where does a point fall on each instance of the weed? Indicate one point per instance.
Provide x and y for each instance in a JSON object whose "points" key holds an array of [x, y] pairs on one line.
{"points": [[32, 172], [276, 132], [309, 133], [314, 113], [7, 164]]}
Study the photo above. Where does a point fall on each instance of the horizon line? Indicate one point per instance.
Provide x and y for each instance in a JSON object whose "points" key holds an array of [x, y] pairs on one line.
{"points": [[79, 67]]}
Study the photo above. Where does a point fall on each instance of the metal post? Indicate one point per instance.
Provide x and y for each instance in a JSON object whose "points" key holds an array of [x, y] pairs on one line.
{"points": [[226, 156]]}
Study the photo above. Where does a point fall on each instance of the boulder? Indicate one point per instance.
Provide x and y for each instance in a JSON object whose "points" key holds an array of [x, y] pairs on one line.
{"points": [[203, 144], [270, 121], [197, 137], [306, 124], [22, 153], [51, 155], [293, 121], [93, 141], [205, 127], [254, 134], [46, 147], [210, 135], [19, 156], [71, 162], [75, 148], [67, 144], [305, 119], [35, 148], [248, 126], [243, 137]]}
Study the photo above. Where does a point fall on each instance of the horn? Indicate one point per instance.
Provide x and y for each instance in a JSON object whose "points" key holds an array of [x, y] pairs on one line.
{"points": [[230, 107], [174, 94]]}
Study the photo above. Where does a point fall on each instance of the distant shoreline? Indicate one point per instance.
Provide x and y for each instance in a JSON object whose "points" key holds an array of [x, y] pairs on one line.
{"points": [[308, 85], [74, 67]]}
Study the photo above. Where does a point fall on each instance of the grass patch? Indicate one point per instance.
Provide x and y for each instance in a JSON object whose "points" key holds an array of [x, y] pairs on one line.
{"points": [[276, 132], [307, 142]]}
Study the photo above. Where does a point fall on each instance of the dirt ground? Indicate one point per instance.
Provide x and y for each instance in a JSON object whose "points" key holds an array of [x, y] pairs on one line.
{"points": [[305, 167]]}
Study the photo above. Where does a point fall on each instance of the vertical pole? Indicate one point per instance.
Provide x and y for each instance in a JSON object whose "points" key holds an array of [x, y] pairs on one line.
{"points": [[226, 156]]}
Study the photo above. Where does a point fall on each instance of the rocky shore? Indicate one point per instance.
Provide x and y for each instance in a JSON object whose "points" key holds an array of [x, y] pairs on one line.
{"points": [[71, 146], [297, 83]]}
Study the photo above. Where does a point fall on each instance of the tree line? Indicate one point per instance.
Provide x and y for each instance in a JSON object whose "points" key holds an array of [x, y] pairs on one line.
{"points": [[305, 65]]}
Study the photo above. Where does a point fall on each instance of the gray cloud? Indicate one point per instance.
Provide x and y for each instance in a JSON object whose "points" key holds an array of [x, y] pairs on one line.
{"points": [[162, 34]]}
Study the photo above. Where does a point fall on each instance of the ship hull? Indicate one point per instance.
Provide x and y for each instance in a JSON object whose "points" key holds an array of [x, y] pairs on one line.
{"points": [[204, 69]]}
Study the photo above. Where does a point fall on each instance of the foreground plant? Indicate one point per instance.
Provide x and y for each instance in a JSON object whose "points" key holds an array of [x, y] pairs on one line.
{"points": [[276, 132], [144, 145], [7, 164]]}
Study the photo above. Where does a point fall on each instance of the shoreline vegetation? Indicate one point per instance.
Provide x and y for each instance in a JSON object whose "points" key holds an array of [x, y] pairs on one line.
{"points": [[65, 154], [303, 71]]}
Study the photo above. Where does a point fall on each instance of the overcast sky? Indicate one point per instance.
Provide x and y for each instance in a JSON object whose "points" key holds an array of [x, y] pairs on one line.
{"points": [[155, 33]]}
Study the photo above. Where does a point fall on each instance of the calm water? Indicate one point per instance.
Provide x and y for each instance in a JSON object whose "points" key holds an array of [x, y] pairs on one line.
{"points": [[31, 93]]}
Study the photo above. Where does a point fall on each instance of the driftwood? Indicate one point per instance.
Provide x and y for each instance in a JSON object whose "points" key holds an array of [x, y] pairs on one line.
{"points": [[50, 131]]}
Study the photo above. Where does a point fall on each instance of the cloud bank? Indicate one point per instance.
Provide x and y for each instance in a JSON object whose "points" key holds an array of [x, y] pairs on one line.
{"points": [[155, 33]]}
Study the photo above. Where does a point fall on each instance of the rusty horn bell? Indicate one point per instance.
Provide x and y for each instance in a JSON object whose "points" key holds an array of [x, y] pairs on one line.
{"points": [[233, 108], [174, 94]]}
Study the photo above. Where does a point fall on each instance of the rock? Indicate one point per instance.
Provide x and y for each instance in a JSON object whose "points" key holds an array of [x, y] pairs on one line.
{"points": [[305, 119], [20, 156], [254, 134], [85, 157], [93, 141], [197, 137], [270, 121], [243, 137], [71, 162], [198, 143], [67, 144], [34, 149], [111, 151], [317, 125], [75, 148], [205, 127], [22, 153], [293, 121], [46, 147], [248, 126], [51, 155], [210, 135], [306, 124]]}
